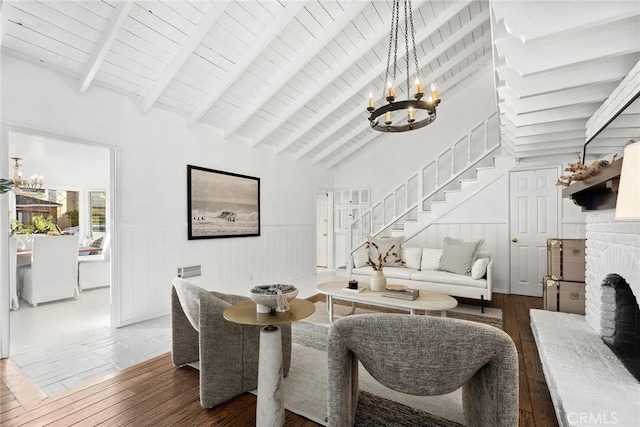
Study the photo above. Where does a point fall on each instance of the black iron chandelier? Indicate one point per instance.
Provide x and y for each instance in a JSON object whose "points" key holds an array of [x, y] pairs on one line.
{"points": [[409, 114]]}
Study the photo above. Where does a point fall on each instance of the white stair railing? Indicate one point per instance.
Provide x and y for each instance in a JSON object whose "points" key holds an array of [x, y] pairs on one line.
{"points": [[412, 195]]}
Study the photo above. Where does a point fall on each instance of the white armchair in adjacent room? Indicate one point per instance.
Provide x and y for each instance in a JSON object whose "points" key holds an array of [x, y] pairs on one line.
{"points": [[94, 271], [53, 273]]}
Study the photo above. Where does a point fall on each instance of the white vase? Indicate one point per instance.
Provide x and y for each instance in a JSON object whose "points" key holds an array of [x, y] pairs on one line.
{"points": [[378, 282]]}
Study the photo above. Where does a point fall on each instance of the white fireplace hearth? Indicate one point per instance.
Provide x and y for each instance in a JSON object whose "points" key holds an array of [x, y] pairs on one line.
{"points": [[589, 385]]}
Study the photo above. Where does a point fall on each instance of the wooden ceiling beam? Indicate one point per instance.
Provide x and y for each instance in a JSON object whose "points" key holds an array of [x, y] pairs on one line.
{"points": [[355, 147], [366, 48], [573, 76], [561, 98], [439, 50], [214, 12], [109, 34], [520, 20], [260, 43], [352, 11], [582, 47]]}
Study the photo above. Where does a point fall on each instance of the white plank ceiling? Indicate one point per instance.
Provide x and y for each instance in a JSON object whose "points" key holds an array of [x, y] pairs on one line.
{"points": [[295, 75]]}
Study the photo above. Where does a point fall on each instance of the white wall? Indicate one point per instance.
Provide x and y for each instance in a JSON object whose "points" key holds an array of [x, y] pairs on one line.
{"points": [[64, 165], [384, 164], [152, 152]]}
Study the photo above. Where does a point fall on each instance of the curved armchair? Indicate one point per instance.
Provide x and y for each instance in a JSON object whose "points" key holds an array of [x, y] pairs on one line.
{"points": [[53, 273], [227, 352], [424, 356]]}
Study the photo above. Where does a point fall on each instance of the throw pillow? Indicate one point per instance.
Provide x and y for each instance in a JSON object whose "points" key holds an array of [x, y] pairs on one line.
{"points": [[479, 268], [385, 251], [412, 257], [458, 256], [360, 257], [430, 259]]}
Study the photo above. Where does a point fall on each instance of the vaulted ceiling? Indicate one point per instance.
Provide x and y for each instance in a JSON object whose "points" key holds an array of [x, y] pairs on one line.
{"points": [[295, 75]]}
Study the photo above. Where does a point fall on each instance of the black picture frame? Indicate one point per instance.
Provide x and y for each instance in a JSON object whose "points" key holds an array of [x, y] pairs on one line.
{"points": [[222, 204]]}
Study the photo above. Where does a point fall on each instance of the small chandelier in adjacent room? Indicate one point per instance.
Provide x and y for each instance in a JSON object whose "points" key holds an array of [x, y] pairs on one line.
{"points": [[32, 184], [411, 113]]}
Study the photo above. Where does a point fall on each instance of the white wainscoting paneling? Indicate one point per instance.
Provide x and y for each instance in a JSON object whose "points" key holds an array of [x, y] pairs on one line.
{"points": [[150, 255]]}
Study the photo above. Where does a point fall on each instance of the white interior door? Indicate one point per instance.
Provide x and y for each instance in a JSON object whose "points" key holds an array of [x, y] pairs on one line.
{"points": [[322, 251], [534, 219]]}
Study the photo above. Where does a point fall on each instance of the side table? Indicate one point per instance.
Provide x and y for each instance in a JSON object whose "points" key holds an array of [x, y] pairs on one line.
{"points": [[270, 407]]}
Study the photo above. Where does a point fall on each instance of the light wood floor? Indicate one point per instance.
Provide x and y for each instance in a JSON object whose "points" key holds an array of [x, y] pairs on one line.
{"points": [[156, 393]]}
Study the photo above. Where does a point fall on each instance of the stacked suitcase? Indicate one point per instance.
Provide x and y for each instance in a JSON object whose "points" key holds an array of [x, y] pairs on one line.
{"points": [[563, 286]]}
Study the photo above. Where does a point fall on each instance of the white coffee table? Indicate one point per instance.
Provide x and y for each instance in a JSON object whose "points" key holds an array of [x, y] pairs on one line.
{"points": [[430, 301]]}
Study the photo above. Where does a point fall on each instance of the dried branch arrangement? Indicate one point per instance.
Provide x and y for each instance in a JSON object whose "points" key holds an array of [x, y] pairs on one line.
{"points": [[381, 260], [580, 171]]}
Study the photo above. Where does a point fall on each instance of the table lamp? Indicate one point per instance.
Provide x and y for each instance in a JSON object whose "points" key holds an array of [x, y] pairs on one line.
{"points": [[628, 202]]}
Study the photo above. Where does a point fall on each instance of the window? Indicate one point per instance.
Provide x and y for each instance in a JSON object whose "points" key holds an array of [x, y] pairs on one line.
{"points": [[97, 210]]}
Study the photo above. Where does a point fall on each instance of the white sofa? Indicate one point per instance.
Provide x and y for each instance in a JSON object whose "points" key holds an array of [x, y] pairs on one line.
{"points": [[431, 279]]}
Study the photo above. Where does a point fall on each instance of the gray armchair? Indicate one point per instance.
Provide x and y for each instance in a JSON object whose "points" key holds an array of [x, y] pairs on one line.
{"points": [[227, 352], [424, 356]]}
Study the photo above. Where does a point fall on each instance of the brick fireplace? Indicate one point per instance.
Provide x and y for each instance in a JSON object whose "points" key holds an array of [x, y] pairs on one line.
{"points": [[613, 247], [589, 384]]}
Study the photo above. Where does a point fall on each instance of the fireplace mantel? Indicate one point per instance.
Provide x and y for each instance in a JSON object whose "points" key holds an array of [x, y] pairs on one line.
{"points": [[596, 192]]}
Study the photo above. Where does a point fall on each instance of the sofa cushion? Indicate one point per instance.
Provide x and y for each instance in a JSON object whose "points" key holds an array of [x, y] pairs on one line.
{"points": [[389, 272], [479, 268], [412, 257], [458, 256], [360, 257], [430, 259], [385, 250], [448, 278], [398, 273], [365, 271]]}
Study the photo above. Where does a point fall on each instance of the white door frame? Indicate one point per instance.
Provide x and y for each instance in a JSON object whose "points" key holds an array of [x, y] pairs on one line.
{"points": [[558, 169], [330, 236], [112, 221]]}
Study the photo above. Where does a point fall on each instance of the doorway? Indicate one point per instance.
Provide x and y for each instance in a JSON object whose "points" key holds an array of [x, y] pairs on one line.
{"points": [[78, 189], [534, 202]]}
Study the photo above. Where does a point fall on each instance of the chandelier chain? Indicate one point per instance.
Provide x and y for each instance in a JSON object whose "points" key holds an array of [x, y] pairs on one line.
{"points": [[406, 44], [386, 75], [395, 45], [413, 40]]}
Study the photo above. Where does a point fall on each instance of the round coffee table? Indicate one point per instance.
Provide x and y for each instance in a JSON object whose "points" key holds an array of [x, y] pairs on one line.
{"points": [[430, 301]]}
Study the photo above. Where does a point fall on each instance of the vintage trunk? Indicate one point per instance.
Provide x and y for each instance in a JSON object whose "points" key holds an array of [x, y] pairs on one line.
{"points": [[565, 259], [559, 295]]}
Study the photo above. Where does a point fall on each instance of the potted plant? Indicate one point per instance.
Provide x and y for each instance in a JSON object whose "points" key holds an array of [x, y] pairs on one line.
{"points": [[39, 225], [5, 185]]}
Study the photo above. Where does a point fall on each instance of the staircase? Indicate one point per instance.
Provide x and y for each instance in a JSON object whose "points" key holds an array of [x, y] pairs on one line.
{"points": [[462, 170]]}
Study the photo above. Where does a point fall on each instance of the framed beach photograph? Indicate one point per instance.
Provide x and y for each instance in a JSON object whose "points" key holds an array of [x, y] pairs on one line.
{"points": [[222, 204]]}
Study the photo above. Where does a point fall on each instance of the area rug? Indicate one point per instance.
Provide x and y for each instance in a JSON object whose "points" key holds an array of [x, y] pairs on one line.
{"points": [[305, 387]]}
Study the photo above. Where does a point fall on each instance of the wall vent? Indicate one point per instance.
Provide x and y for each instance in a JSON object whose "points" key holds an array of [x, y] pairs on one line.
{"points": [[190, 271]]}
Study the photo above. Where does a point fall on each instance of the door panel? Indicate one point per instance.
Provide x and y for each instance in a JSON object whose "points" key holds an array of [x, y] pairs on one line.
{"points": [[534, 219], [322, 206]]}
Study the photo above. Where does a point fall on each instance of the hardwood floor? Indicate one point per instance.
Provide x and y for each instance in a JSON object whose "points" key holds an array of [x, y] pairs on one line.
{"points": [[156, 393]]}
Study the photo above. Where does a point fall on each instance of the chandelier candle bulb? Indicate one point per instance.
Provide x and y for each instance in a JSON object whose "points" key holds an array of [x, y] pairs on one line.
{"points": [[387, 119], [418, 86], [390, 90], [410, 114], [370, 100], [434, 93]]}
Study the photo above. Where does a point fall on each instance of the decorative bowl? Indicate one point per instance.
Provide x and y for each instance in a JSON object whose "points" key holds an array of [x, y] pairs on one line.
{"points": [[266, 298]]}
